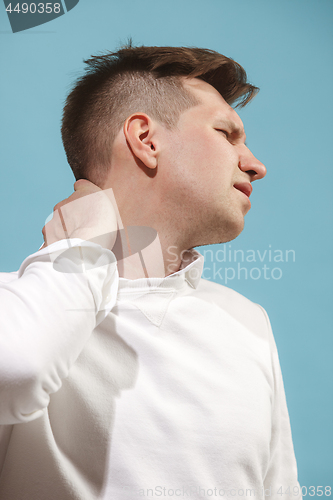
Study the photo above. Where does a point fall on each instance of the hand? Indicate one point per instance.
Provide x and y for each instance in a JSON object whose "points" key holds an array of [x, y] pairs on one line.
{"points": [[88, 214]]}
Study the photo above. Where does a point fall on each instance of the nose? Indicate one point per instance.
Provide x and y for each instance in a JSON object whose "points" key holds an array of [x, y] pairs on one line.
{"points": [[251, 165]]}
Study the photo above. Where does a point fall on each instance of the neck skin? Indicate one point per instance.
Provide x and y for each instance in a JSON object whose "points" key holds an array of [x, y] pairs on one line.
{"points": [[151, 241], [147, 245]]}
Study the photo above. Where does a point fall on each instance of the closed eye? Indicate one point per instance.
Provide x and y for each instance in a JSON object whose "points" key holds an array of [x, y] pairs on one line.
{"points": [[223, 131]]}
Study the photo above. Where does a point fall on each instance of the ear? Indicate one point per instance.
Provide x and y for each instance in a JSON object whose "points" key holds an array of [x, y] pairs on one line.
{"points": [[140, 133]]}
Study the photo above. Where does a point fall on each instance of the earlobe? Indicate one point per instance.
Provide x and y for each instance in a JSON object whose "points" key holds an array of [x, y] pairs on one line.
{"points": [[139, 131]]}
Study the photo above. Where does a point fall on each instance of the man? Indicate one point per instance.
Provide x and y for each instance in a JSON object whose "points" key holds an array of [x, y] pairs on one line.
{"points": [[156, 382]]}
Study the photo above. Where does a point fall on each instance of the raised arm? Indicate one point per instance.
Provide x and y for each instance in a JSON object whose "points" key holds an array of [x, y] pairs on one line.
{"points": [[49, 310]]}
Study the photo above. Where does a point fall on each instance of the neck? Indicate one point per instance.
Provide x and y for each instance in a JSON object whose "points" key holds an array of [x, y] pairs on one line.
{"points": [[142, 252], [150, 242]]}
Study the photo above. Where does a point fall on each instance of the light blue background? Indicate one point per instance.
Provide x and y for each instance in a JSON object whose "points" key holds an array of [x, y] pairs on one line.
{"points": [[286, 48]]}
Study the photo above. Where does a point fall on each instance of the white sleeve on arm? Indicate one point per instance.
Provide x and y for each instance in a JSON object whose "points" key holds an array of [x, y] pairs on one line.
{"points": [[46, 318], [281, 477]]}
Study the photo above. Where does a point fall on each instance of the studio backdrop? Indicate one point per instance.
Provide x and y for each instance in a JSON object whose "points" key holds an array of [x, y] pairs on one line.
{"points": [[283, 258]]}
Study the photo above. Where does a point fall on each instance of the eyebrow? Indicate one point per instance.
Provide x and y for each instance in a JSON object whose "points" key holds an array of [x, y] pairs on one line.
{"points": [[232, 126]]}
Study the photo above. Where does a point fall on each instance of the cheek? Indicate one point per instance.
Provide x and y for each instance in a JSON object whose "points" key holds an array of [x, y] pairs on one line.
{"points": [[211, 162], [198, 153], [200, 166]]}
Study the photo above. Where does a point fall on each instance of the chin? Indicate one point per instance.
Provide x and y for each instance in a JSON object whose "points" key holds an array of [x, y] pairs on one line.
{"points": [[237, 231], [230, 229], [223, 233]]}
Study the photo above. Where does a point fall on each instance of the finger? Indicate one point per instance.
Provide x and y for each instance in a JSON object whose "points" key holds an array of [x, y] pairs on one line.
{"points": [[57, 206], [44, 235], [53, 229], [63, 224], [83, 184]]}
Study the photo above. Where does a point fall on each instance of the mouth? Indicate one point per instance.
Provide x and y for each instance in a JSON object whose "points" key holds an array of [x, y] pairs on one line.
{"points": [[244, 187]]}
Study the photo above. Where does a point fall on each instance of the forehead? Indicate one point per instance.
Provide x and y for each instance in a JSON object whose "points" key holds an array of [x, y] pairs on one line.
{"points": [[211, 103]]}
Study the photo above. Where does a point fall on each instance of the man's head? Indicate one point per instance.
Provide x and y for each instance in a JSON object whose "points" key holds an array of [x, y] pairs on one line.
{"points": [[156, 125], [146, 79]]}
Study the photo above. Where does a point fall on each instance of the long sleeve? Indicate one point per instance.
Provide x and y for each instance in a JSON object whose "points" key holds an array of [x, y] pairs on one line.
{"points": [[281, 477], [46, 318]]}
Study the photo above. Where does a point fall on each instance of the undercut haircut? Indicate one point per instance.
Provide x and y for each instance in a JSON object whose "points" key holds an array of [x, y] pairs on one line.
{"points": [[139, 79]]}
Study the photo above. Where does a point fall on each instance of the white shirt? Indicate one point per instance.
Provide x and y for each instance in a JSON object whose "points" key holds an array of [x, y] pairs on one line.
{"points": [[175, 389]]}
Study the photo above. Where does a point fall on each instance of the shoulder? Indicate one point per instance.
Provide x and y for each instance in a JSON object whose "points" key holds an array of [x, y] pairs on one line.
{"points": [[240, 308], [8, 277]]}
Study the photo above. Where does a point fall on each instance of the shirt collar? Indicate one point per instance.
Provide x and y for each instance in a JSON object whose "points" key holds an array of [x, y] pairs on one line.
{"points": [[190, 271], [191, 266]]}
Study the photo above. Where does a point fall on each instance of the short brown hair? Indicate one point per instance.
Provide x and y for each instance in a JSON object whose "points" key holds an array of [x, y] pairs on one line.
{"points": [[139, 79]]}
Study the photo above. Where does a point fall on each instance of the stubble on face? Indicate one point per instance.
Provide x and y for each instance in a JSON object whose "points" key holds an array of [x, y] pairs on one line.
{"points": [[202, 170]]}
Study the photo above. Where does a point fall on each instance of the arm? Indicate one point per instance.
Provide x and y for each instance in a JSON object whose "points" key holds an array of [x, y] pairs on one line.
{"points": [[282, 469], [48, 314]]}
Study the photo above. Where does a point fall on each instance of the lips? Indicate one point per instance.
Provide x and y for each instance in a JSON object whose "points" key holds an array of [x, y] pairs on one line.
{"points": [[244, 187]]}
